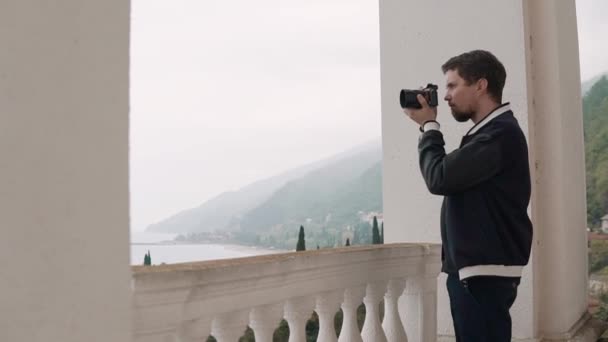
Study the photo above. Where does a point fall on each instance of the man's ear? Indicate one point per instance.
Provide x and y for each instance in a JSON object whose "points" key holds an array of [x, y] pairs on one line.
{"points": [[482, 84]]}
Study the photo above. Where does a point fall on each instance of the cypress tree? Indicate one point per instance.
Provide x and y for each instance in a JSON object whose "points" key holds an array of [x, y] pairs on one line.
{"points": [[147, 259], [382, 233], [347, 242], [301, 242], [375, 233]]}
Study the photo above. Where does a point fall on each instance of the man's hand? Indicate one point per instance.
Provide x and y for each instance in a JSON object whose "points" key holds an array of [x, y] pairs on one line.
{"points": [[422, 115]]}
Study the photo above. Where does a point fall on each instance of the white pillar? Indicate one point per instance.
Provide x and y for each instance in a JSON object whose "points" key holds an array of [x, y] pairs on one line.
{"points": [[415, 40], [559, 203], [64, 201], [192, 331], [264, 320], [537, 43], [229, 327], [419, 309], [327, 304], [352, 299], [297, 313], [393, 328], [372, 329]]}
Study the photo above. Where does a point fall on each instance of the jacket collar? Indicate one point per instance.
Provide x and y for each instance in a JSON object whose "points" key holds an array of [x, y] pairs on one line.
{"points": [[503, 108]]}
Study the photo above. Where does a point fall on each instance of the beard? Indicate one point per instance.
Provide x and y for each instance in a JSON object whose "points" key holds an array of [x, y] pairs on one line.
{"points": [[461, 116]]}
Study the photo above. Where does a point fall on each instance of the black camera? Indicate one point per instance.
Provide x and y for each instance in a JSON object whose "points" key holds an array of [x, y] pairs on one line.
{"points": [[408, 98]]}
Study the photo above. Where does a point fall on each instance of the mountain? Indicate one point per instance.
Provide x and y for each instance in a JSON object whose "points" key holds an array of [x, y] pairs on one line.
{"points": [[334, 193], [585, 86], [362, 194], [225, 211], [595, 123]]}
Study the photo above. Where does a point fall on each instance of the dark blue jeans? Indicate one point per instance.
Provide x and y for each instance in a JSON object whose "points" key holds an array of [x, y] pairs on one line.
{"points": [[480, 307]]}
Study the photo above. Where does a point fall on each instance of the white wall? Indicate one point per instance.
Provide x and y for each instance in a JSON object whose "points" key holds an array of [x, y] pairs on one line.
{"points": [[64, 249], [416, 39]]}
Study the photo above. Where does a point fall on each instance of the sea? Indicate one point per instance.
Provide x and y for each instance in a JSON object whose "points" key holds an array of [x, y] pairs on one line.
{"points": [[163, 250]]}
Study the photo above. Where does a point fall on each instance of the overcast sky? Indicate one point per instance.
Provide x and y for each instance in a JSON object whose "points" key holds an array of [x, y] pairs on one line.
{"points": [[592, 20], [227, 92]]}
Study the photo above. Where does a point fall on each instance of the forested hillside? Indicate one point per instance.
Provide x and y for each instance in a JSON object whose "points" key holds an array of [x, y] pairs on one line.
{"points": [[595, 114]]}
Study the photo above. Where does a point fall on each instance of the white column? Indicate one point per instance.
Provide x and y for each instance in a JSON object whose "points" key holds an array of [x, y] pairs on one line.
{"points": [[393, 328], [64, 184], [429, 307], [162, 338], [414, 43], [559, 202], [327, 304], [372, 329], [352, 299], [420, 309], [229, 327], [264, 320], [297, 312]]}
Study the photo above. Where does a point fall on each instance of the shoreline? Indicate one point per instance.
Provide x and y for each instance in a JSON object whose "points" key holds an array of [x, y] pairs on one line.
{"points": [[230, 246]]}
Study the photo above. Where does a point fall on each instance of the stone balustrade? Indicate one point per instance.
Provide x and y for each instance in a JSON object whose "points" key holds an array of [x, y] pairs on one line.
{"points": [[188, 302]]}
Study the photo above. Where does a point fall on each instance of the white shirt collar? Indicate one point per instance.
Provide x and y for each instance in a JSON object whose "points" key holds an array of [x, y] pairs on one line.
{"points": [[493, 115]]}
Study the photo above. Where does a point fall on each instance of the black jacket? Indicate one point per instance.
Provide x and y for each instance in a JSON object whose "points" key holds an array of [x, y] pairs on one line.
{"points": [[485, 228]]}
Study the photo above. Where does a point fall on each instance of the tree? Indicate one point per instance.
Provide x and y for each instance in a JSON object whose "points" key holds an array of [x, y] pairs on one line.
{"points": [[301, 246], [595, 122], [375, 233], [347, 242], [147, 259], [382, 233]]}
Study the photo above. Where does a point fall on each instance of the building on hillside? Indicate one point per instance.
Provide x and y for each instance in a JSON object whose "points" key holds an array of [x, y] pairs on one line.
{"points": [[369, 216], [348, 233], [605, 224]]}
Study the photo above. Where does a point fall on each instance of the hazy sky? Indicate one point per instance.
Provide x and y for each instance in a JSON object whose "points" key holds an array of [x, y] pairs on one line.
{"points": [[592, 20], [226, 92]]}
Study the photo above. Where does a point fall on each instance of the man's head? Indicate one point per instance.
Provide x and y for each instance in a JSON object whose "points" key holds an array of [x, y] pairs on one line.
{"points": [[474, 80]]}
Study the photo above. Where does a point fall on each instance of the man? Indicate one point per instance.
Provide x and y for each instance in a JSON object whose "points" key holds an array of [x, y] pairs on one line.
{"points": [[485, 229]]}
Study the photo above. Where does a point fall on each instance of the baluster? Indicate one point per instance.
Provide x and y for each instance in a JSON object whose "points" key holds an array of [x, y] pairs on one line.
{"points": [[352, 299], [297, 312], [169, 337], [264, 320], [195, 330], [228, 327], [421, 308], [174, 337], [326, 307], [372, 330], [393, 328]]}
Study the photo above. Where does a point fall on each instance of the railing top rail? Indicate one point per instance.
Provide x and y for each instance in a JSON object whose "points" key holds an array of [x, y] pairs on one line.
{"points": [[411, 249]]}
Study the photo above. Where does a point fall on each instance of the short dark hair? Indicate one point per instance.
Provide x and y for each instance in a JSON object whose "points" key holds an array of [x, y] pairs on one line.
{"points": [[477, 64]]}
